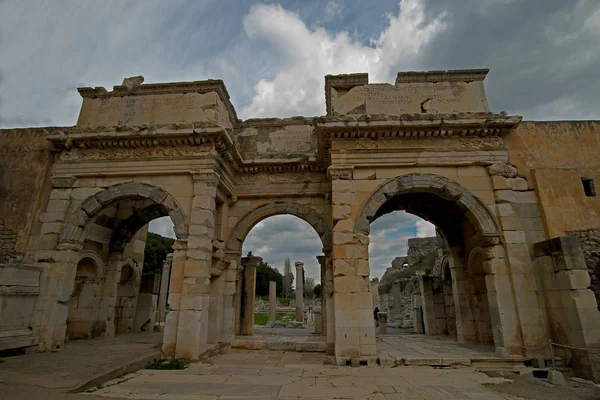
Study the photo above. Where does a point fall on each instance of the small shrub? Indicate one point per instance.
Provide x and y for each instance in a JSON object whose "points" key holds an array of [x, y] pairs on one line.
{"points": [[166, 364]]}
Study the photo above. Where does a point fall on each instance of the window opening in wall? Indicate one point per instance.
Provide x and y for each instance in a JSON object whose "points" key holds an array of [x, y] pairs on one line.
{"points": [[588, 187]]}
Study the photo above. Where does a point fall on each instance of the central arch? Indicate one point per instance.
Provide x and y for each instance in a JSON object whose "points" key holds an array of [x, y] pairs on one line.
{"points": [[441, 187], [302, 211]]}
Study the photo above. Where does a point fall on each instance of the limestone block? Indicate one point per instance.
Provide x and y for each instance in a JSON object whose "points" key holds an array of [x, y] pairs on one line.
{"points": [[197, 254], [518, 184], [339, 186], [51, 227], [506, 210], [500, 182], [498, 283], [518, 250], [345, 284], [341, 212], [203, 217], [342, 238], [362, 267], [342, 268], [512, 223], [195, 286], [347, 301], [203, 243], [556, 378], [364, 173], [344, 225], [515, 237], [572, 279]]}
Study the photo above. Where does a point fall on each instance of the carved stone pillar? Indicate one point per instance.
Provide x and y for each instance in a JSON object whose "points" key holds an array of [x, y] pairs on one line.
{"points": [[238, 299], [353, 302], [192, 332], [229, 302], [250, 263], [299, 291]]}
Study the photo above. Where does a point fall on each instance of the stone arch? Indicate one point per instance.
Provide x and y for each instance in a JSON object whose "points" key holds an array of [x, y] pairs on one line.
{"points": [[73, 230], [302, 211], [475, 210], [131, 263], [97, 260]]}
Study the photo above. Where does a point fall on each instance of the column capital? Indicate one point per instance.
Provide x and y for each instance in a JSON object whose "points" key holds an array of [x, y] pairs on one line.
{"points": [[207, 176], [180, 244], [63, 182], [299, 264], [340, 172]]}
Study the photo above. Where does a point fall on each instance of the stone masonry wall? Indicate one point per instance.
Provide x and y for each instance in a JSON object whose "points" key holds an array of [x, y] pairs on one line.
{"points": [[25, 160], [590, 244], [418, 247]]}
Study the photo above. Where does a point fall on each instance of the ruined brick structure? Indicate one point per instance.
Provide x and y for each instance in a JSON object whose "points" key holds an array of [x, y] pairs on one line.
{"points": [[495, 187]]}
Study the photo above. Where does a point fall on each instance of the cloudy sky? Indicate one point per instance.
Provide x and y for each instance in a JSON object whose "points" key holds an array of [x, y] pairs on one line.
{"points": [[543, 56]]}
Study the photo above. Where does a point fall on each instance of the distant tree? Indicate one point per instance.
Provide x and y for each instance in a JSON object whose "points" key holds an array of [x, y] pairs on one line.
{"points": [[317, 290], [155, 252], [265, 274], [288, 279], [309, 287]]}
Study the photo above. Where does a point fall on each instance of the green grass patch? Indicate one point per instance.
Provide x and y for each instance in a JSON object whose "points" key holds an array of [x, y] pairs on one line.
{"points": [[262, 318], [166, 364]]}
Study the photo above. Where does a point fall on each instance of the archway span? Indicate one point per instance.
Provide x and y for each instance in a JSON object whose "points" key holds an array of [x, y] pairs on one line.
{"points": [[302, 211], [164, 204], [436, 188]]}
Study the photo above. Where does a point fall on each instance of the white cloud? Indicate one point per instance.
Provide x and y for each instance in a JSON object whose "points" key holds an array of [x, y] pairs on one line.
{"points": [[163, 226], [425, 228], [305, 56], [281, 236]]}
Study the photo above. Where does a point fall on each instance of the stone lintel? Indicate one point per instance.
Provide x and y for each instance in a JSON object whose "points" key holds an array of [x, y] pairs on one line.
{"points": [[457, 75]]}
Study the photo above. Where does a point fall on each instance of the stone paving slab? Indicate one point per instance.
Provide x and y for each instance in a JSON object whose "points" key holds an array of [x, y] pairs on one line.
{"points": [[82, 361], [313, 380]]}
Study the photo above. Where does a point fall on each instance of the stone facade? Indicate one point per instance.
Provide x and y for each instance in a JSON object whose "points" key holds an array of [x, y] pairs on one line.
{"points": [[428, 145]]}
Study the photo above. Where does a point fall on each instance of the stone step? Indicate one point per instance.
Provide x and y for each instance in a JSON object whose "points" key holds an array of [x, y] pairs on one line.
{"points": [[480, 362], [311, 347]]}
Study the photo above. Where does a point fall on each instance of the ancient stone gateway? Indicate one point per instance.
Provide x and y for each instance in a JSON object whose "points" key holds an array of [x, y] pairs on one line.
{"points": [[494, 186]]}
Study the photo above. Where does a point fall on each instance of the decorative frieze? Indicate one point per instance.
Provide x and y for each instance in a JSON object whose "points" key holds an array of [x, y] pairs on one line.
{"points": [[340, 172], [503, 169], [135, 153], [481, 142], [63, 182]]}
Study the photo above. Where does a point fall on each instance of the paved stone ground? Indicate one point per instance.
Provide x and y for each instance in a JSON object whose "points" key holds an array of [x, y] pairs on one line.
{"points": [[245, 374], [401, 344], [79, 361]]}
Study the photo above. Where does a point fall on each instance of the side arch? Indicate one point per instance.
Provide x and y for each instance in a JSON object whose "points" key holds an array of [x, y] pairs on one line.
{"points": [[100, 268], [165, 204], [475, 210], [302, 211]]}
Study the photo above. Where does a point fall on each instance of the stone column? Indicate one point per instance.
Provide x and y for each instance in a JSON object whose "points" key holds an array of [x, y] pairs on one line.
{"points": [[174, 298], [354, 327], [329, 314], [192, 331], [323, 264], [164, 291], [272, 301], [238, 299], [299, 292], [425, 285], [250, 263]]}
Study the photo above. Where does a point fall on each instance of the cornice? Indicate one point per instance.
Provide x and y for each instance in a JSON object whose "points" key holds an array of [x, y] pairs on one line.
{"points": [[468, 75]]}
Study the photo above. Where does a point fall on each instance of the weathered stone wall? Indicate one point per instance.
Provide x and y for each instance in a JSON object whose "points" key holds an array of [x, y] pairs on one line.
{"points": [[554, 157], [25, 162], [590, 244], [420, 247]]}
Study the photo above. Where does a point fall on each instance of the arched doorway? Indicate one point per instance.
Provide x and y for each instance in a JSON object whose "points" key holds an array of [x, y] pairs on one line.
{"points": [[475, 250], [85, 300], [113, 225], [311, 217]]}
